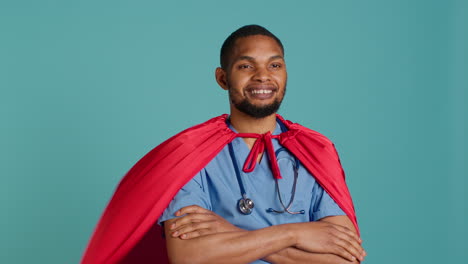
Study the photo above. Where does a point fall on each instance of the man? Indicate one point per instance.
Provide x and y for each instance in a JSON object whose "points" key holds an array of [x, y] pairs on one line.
{"points": [[254, 73], [244, 205]]}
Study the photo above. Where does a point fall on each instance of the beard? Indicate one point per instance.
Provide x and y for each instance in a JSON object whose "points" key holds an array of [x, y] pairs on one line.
{"points": [[256, 111]]}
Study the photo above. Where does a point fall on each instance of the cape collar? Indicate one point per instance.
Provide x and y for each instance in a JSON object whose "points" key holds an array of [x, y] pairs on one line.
{"points": [[262, 143]]}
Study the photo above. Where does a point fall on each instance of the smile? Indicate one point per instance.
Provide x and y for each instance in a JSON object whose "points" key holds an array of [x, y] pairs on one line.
{"points": [[261, 91]]}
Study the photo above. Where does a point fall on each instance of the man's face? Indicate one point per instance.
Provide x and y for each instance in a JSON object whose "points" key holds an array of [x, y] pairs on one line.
{"points": [[256, 76]]}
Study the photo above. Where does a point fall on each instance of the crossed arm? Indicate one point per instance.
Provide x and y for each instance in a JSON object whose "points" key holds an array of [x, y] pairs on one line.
{"points": [[201, 236]]}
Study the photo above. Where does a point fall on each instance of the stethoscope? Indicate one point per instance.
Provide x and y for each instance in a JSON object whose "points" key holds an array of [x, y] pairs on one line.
{"points": [[246, 205]]}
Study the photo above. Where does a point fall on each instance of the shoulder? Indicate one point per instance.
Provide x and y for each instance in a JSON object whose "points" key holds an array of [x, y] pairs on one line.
{"points": [[296, 130], [214, 130], [210, 136], [202, 141], [214, 125]]}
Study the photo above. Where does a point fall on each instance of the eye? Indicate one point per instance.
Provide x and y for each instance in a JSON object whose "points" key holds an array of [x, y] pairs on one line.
{"points": [[244, 66], [276, 65]]}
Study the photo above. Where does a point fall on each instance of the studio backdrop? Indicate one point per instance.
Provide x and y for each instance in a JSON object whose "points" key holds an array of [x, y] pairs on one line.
{"points": [[88, 87]]}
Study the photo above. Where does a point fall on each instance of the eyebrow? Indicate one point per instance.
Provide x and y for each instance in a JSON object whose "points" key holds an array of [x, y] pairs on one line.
{"points": [[249, 58]]}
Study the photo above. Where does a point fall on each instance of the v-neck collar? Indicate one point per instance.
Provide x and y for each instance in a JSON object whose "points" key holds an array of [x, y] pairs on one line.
{"points": [[242, 149]]}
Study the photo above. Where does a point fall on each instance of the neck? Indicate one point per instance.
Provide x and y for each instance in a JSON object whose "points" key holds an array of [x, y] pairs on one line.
{"points": [[244, 123]]}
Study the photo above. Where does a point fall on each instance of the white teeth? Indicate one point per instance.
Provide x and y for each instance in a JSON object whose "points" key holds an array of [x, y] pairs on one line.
{"points": [[261, 91]]}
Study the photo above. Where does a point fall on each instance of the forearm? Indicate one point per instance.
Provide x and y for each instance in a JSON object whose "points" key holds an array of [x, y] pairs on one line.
{"points": [[203, 237], [230, 247], [293, 255]]}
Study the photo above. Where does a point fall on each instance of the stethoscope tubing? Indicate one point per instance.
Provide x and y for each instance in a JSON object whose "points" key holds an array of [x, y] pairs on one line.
{"points": [[245, 205]]}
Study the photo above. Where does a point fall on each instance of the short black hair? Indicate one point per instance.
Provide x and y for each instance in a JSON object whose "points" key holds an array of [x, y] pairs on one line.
{"points": [[245, 31]]}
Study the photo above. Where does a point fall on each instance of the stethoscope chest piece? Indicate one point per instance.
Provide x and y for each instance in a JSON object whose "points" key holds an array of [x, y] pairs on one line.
{"points": [[245, 205]]}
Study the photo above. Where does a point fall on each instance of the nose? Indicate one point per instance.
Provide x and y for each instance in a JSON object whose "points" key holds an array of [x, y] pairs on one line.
{"points": [[262, 75]]}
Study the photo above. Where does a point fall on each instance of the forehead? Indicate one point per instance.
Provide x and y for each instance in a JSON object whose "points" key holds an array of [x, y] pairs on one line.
{"points": [[256, 46]]}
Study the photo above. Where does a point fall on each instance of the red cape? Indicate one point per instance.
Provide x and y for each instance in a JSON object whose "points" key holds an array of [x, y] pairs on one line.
{"points": [[127, 231]]}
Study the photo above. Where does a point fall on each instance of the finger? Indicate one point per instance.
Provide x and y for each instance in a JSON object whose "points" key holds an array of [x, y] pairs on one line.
{"points": [[341, 252], [348, 243], [193, 227], [350, 249], [337, 247], [353, 240], [192, 209], [190, 218], [348, 232], [196, 233], [351, 237]]}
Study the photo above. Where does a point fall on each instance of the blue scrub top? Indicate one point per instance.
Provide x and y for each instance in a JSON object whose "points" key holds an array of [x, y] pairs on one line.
{"points": [[216, 188]]}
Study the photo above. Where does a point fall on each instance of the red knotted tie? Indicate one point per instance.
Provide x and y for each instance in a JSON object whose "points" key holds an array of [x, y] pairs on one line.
{"points": [[263, 141]]}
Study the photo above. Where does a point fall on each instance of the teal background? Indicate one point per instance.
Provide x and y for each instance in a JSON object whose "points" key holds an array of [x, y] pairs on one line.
{"points": [[88, 87]]}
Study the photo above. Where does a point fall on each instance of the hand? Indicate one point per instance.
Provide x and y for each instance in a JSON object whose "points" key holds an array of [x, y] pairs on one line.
{"points": [[199, 221], [323, 237]]}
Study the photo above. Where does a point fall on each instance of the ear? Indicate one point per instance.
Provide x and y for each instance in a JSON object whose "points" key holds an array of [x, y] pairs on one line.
{"points": [[221, 78]]}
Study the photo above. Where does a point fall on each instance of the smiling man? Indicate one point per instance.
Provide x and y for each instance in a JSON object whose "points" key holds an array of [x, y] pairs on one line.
{"points": [[249, 187], [213, 230]]}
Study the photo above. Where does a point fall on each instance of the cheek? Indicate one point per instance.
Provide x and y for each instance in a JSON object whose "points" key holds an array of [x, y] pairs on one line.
{"points": [[238, 82], [281, 78]]}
